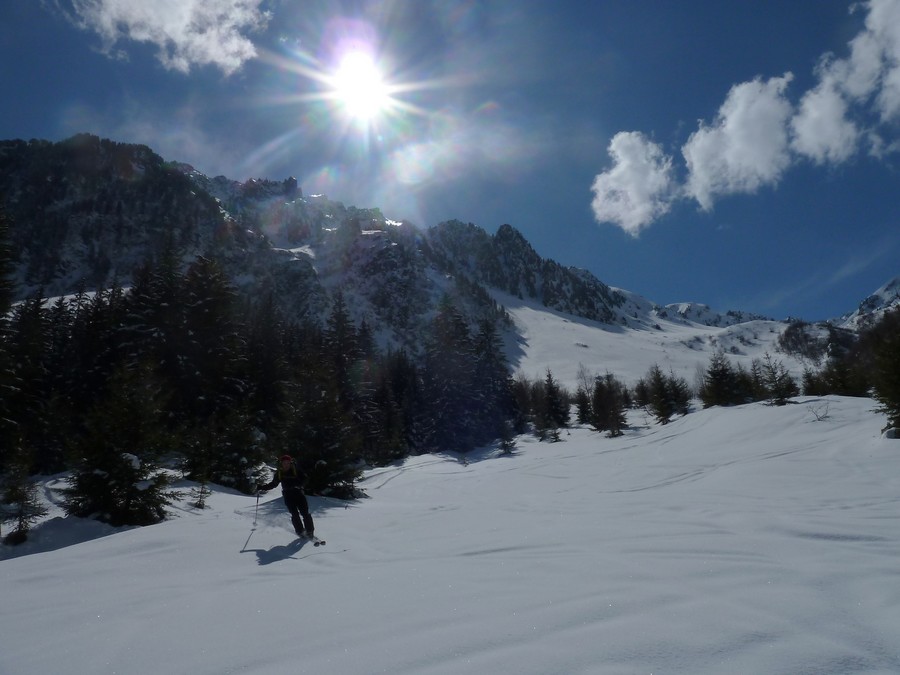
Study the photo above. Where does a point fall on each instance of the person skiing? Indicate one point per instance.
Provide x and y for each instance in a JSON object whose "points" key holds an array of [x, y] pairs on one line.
{"points": [[292, 480]]}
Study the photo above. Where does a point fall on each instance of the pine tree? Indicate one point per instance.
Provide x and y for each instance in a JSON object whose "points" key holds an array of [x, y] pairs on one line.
{"points": [[660, 402], [777, 381], [315, 427], [30, 390], [265, 356], [552, 407], [521, 393], [7, 265], [608, 405], [666, 395], [342, 348], [213, 382], [116, 477], [885, 345], [492, 384], [19, 501], [448, 375], [719, 382], [9, 430], [583, 409]]}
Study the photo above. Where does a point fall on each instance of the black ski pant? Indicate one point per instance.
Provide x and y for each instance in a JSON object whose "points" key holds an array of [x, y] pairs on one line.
{"points": [[296, 503]]}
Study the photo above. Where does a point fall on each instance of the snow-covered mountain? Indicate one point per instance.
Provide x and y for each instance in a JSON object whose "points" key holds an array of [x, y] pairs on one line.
{"points": [[873, 308], [570, 345], [88, 211]]}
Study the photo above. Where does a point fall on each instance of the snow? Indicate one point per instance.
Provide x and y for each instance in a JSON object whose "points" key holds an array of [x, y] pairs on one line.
{"points": [[874, 307], [544, 338], [752, 539], [133, 460]]}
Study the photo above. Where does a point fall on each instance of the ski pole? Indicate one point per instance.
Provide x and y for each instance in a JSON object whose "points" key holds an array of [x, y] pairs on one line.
{"points": [[256, 513]]}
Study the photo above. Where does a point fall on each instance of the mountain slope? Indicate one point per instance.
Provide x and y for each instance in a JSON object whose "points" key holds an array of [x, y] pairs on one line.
{"points": [[873, 308], [748, 539], [567, 345], [87, 212]]}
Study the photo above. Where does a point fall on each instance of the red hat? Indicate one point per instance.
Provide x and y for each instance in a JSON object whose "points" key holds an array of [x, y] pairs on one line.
{"points": [[286, 457]]}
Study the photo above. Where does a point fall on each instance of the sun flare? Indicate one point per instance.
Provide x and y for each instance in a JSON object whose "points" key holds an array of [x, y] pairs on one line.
{"points": [[360, 87]]}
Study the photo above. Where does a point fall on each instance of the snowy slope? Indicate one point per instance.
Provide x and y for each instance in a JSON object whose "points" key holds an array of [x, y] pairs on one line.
{"points": [[564, 343], [874, 307], [743, 540]]}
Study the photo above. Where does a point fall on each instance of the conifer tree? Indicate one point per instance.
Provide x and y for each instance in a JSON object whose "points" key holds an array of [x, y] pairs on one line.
{"points": [[777, 381], [213, 382], [553, 407], [885, 345], [116, 478], [315, 426], [342, 348], [492, 383], [583, 410], [405, 391], [7, 265], [665, 395], [19, 501], [9, 430], [719, 382], [267, 370], [608, 405], [660, 402], [448, 376], [521, 393], [30, 379]]}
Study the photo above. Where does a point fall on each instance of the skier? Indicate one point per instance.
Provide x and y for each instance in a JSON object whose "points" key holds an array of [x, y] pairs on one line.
{"points": [[292, 480]]}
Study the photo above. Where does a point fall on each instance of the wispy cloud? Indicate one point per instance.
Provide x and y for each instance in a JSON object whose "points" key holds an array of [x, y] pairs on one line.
{"points": [[860, 261], [187, 33], [758, 133], [814, 285]]}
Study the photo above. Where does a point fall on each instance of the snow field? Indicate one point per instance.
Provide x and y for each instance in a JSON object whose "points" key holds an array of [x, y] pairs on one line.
{"points": [[751, 539]]}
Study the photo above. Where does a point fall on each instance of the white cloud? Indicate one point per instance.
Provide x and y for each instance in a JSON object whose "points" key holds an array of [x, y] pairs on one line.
{"points": [[872, 70], [639, 187], [757, 134], [187, 33], [821, 129], [883, 23], [747, 145]]}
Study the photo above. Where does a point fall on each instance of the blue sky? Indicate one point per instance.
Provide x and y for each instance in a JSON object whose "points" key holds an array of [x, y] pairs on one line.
{"points": [[744, 154]]}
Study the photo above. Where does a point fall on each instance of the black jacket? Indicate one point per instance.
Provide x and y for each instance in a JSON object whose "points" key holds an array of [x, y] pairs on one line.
{"points": [[292, 479]]}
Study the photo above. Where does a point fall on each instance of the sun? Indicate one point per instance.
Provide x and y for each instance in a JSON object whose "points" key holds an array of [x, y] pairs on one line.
{"points": [[359, 87]]}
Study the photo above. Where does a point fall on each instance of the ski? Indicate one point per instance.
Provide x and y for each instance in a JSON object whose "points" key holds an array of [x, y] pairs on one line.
{"points": [[314, 539]]}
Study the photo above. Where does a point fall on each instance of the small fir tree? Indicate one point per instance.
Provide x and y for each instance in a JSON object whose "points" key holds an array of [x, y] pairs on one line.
{"points": [[20, 501], [116, 478]]}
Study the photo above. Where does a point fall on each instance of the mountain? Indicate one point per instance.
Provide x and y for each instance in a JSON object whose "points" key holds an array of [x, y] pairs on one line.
{"points": [[873, 307], [87, 212]]}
